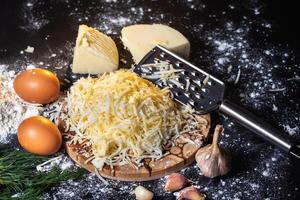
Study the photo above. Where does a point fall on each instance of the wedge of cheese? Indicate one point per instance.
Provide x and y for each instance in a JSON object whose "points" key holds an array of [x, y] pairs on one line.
{"points": [[139, 39], [95, 52]]}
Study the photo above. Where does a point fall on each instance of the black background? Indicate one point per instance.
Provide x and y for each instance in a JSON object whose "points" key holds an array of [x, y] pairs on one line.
{"points": [[62, 28]]}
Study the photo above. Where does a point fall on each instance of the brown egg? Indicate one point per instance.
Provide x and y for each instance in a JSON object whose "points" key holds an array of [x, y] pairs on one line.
{"points": [[37, 86], [39, 135]]}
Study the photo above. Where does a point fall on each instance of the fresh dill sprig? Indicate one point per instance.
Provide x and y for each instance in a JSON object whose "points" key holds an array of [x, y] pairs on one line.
{"points": [[20, 180]]}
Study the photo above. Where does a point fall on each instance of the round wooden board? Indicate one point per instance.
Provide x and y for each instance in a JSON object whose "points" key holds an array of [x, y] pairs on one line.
{"points": [[181, 155]]}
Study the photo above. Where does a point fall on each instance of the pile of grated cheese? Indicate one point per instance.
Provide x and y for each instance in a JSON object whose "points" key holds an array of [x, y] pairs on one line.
{"points": [[125, 118]]}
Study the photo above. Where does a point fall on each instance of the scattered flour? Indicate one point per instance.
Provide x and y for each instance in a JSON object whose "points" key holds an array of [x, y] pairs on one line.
{"points": [[12, 110], [62, 161], [231, 53], [290, 130], [33, 21]]}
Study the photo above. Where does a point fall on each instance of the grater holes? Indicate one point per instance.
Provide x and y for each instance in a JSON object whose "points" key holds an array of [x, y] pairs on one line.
{"points": [[178, 93], [156, 60], [197, 82], [193, 73], [184, 73], [179, 64], [199, 95], [172, 85], [209, 83], [181, 80], [192, 87], [187, 95], [162, 54], [197, 89], [191, 102]]}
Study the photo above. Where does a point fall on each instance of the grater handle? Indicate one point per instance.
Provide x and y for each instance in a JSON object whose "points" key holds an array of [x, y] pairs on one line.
{"points": [[261, 128]]}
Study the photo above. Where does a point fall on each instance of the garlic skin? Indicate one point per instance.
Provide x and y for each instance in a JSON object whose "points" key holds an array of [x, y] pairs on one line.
{"points": [[213, 160], [191, 193], [142, 193], [175, 182]]}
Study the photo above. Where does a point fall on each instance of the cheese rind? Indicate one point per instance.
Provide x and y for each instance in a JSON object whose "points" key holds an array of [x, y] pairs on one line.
{"points": [[141, 38], [95, 52]]}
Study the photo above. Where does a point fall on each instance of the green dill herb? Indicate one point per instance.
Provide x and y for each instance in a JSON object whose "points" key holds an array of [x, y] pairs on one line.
{"points": [[20, 180]]}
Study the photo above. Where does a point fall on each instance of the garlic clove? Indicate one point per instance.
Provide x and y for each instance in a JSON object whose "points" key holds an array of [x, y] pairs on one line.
{"points": [[191, 193], [142, 193], [175, 182], [213, 160]]}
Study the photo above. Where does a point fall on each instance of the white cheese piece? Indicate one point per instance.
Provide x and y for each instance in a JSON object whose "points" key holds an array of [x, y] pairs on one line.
{"points": [[29, 49], [95, 52], [141, 38], [142, 193]]}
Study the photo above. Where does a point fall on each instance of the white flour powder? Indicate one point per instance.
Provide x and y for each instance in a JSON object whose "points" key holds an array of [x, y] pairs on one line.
{"points": [[12, 110]]}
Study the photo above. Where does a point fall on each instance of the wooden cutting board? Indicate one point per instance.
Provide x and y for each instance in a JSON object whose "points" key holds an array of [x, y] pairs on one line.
{"points": [[180, 156]]}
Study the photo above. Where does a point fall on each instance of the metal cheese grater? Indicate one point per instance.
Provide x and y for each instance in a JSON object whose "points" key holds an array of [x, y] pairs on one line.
{"points": [[205, 93]]}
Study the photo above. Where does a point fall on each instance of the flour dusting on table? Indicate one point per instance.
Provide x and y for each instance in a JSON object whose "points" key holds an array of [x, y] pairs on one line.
{"points": [[261, 77], [12, 110]]}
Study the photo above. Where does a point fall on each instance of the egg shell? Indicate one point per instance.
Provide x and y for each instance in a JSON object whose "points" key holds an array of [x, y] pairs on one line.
{"points": [[39, 135], [37, 86]]}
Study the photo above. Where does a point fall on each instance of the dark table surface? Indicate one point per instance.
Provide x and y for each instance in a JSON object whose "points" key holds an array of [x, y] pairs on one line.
{"points": [[259, 39]]}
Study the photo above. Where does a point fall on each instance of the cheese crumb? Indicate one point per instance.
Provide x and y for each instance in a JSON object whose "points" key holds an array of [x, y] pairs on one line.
{"points": [[29, 49]]}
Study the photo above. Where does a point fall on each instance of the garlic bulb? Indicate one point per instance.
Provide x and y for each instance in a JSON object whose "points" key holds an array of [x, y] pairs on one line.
{"points": [[142, 193], [213, 160]]}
